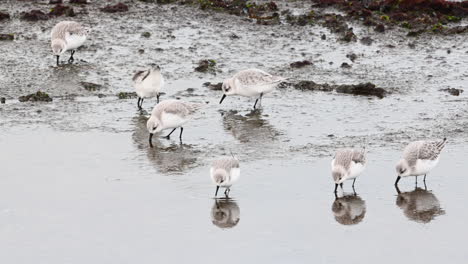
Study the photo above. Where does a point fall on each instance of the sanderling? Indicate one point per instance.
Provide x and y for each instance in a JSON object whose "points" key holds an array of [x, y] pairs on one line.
{"points": [[148, 83], [225, 213], [170, 114], [419, 205], [349, 209], [347, 165], [224, 173], [419, 157], [252, 82], [67, 35]]}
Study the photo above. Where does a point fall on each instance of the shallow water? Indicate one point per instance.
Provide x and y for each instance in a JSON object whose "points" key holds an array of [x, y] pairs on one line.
{"points": [[80, 184]]}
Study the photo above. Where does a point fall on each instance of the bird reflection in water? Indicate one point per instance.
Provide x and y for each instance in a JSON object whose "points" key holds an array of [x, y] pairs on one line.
{"points": [[419, 205], [225, 213], [174, 157], [349, 209], [251, 127]]}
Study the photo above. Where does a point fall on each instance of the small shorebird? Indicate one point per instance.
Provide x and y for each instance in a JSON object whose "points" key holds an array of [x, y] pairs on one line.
{"points": [[170, 114], [251, 82], [224, 173], [419, 157], [148, 83], [67, 35], [347, 164]]}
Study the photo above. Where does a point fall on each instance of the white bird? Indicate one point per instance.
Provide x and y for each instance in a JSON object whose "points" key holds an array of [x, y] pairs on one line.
{"points": [[419, 157], [67, 35], [170, 114], [251, 82], [148, 83], [224, 173], [347, 164]]}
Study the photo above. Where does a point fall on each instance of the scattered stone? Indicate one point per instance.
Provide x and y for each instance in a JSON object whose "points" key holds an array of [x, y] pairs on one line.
{"points": [[351, 56], [368, 89], [81, 2], [146, 34], [36, 97], [380, 28], [4, 16], [300, 64], [213, 86], [234, 36], [60, 10], [349, 36], [415, 33], [206, 65], [7, 37], [34, 15], [323, 37], [367, 41], [54, 2], [91, 86], [3, 100], [127, 95], [412, 45], [141, 51], [453, 91], [312, 86], [120, 7], [345, 65]]}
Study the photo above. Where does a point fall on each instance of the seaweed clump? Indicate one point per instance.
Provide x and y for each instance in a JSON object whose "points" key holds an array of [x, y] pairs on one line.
{"points": [[120, 7], [36, 97]]}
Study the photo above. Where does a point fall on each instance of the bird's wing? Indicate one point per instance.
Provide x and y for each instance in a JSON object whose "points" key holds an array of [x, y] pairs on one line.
{"points": [[254, 77], [343, 157], [359, 156], [430, 150], [140, 76]]}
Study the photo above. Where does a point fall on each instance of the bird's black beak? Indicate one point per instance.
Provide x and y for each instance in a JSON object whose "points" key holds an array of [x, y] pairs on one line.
{"points": [[150, 139], [58, 56], [397, 180], [217, 188], [222, 98]]}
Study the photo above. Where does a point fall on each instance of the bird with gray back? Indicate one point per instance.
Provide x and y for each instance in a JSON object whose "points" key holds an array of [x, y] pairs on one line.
{"points": [[67, 35]]}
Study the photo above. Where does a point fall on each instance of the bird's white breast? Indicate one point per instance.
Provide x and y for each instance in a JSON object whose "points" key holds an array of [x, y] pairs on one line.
{"points": [[355, 169], [74, 41], [150, 86], [170, 120], [424, 166]]}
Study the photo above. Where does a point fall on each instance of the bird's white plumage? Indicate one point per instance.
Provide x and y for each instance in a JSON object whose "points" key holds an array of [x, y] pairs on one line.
{"points": [[74, 41], [423, 167], [169, 120], [149, 83]]}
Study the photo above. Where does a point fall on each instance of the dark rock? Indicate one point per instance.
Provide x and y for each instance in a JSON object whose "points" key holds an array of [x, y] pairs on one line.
{"points": [[36, 97], [146, 34], [7, 37], [120, 7], [34, 15], [351, 56], [415, 33], [345, 65], [312, 86], [367, 41], [323, 37], [126, 95], [91, 86], [349, 36], [3, 100], [368, 89], [54, 2], [213, 86], [453, 91], [81, 2], [206, 65], [4, 16], [234, 36], [380, 28], [60, 10], [300, 64]]}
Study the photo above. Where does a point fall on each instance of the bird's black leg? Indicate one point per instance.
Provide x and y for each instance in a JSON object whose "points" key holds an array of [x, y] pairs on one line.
{"points": [[169, 135], [336, 187], [181, 130], [255, 103], [58, 60], [354, 182], [424, 178], [138, 103], [157, 98], [71, 59], [341, 185], [416, 181]]}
